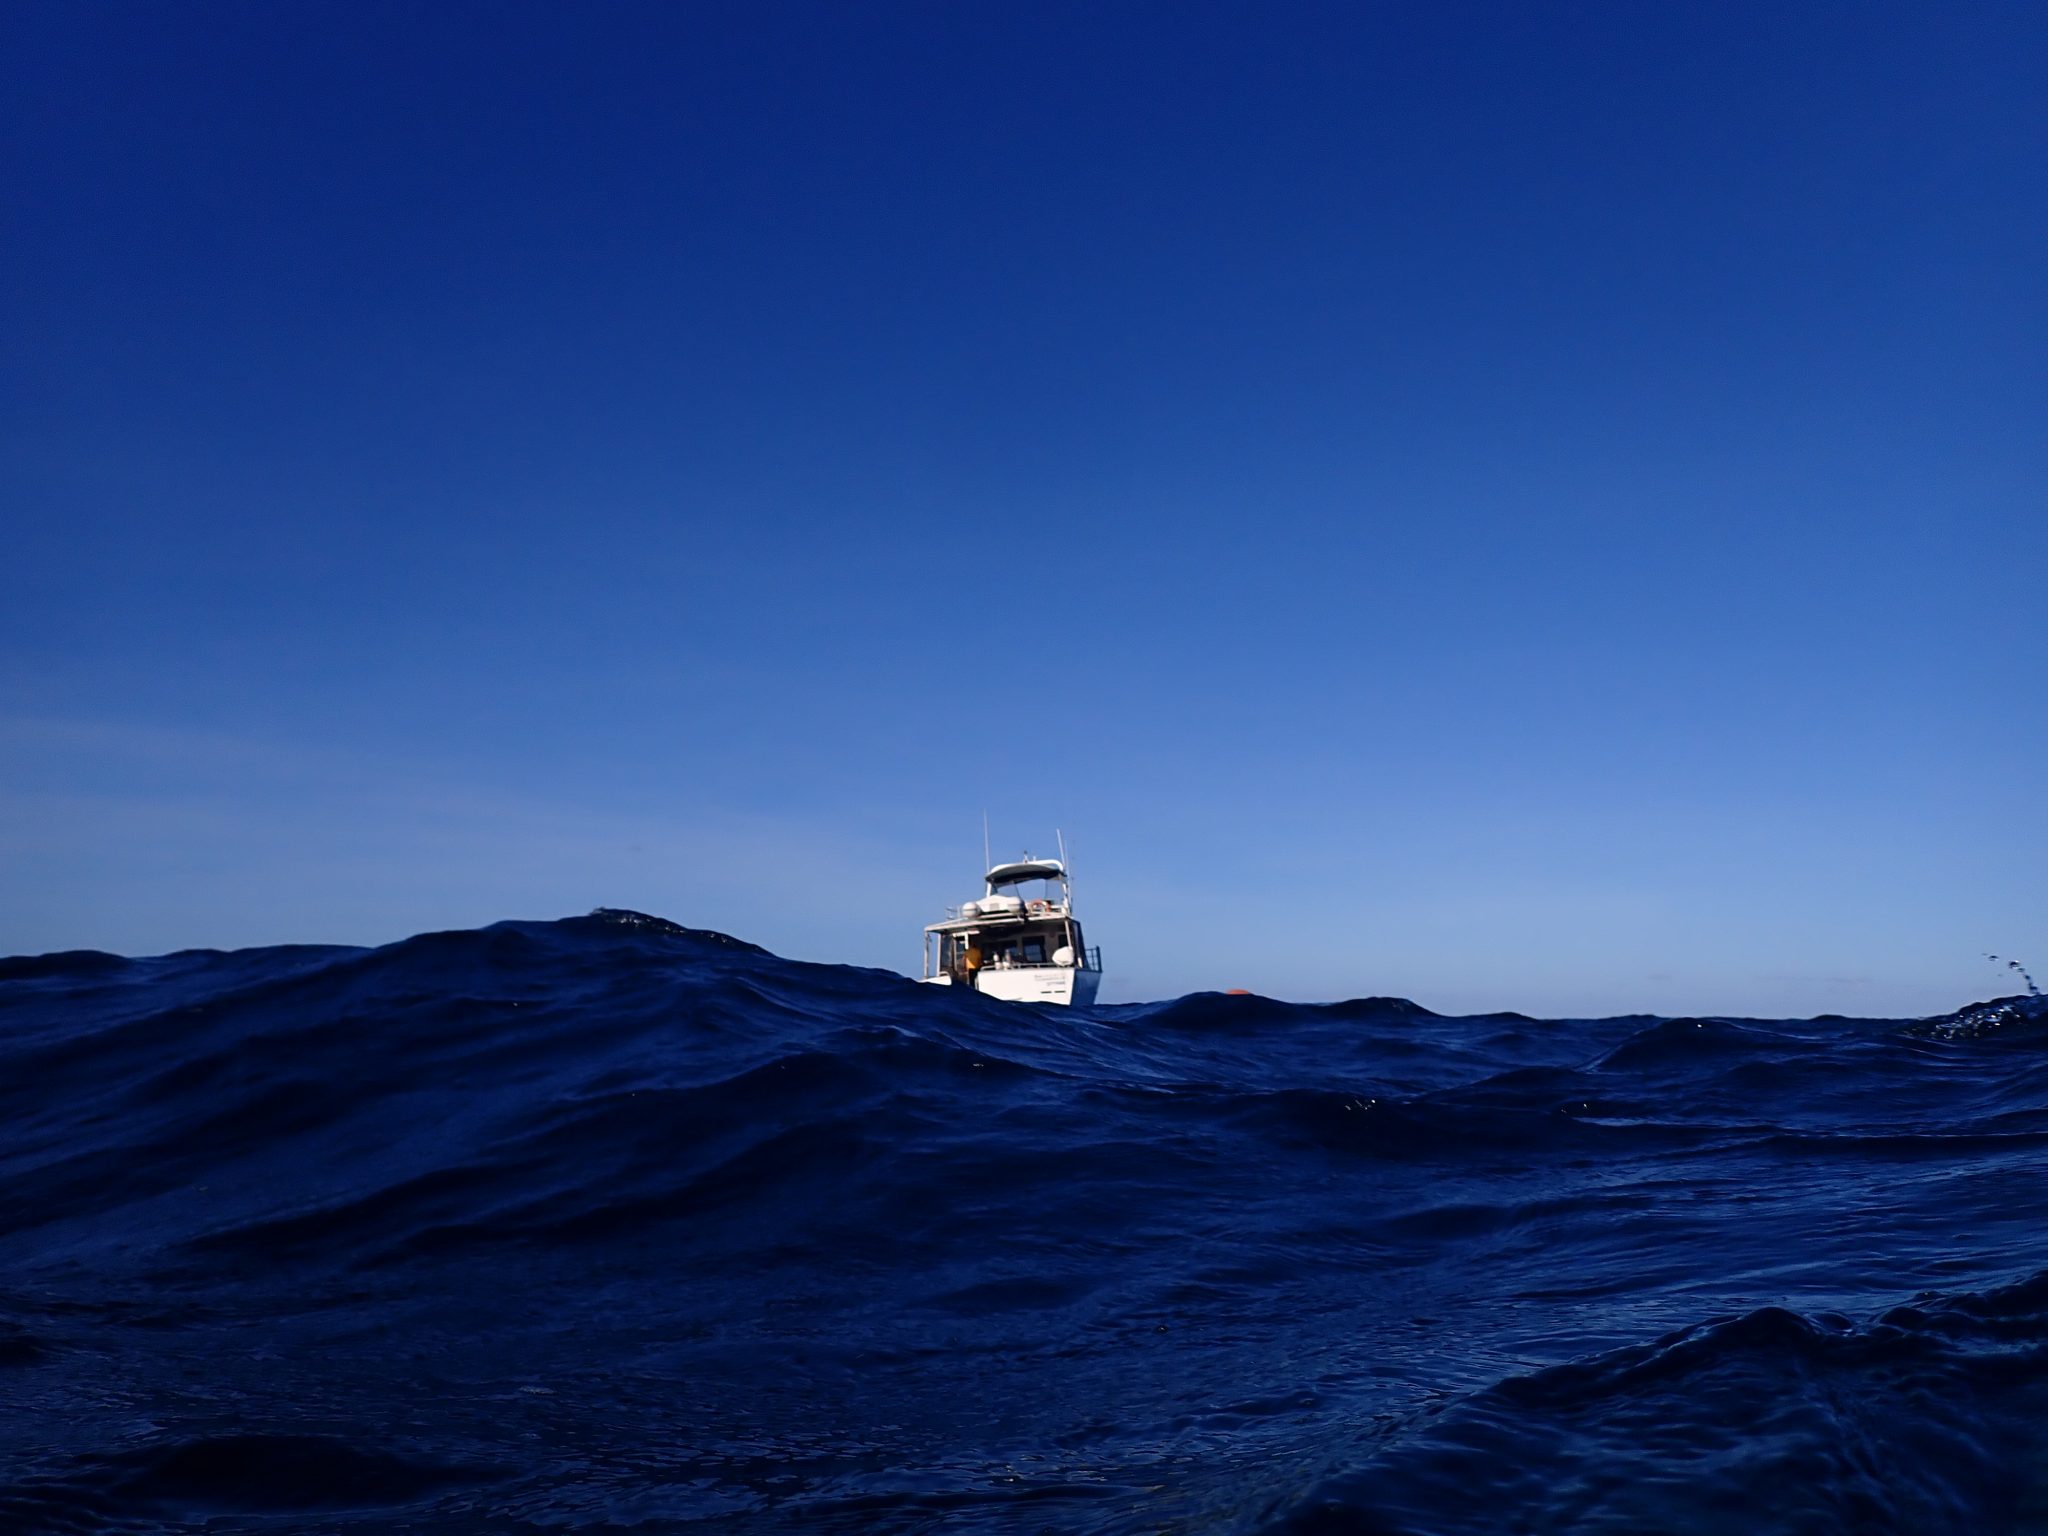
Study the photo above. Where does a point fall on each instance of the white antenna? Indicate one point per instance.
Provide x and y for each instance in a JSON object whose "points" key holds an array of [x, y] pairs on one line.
{"points": [[1062, 837], [985, 864]]}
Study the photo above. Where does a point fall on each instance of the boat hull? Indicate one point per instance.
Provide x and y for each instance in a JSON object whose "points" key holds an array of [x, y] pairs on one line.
{"points": [[1052, 984]]}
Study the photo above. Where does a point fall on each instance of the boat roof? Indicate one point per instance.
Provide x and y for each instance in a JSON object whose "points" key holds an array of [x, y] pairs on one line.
{"points": [[1026, 869], [1052, 919]]}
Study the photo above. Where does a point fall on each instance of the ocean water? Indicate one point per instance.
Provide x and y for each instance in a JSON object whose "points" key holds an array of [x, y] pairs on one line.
{"points": [[607, 1224]]}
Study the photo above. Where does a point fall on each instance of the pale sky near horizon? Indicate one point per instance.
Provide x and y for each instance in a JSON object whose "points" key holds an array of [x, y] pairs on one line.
{"points": [[1514, 506]]}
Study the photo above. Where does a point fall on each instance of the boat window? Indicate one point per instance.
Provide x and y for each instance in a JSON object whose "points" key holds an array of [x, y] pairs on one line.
{"points": [[1034, 951]]}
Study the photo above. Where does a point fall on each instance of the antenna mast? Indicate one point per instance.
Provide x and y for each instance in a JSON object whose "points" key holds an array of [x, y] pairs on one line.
{"points": [[985, 864]]}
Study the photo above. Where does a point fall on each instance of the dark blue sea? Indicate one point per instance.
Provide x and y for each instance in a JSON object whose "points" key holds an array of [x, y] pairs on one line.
{"points": [[609, 1224]]}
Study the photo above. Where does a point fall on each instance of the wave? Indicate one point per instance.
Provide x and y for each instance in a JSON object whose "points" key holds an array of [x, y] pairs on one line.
{"points": [[615, 1221], [1920, 1419]]}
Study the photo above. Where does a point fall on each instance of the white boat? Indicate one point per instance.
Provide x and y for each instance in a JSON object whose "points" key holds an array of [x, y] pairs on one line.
{"points": [[1012, 944]]}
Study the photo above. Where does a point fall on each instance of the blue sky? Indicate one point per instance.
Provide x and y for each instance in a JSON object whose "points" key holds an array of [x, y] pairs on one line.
{"points": [[1531, 506]]}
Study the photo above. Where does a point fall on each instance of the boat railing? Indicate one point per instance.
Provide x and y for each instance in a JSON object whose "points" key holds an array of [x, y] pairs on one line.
{"points": [[1091, 960], [1022, 915]]}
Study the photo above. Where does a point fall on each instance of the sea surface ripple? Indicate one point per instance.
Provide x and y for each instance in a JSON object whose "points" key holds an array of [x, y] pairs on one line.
{"points": [[609, 1223]]}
